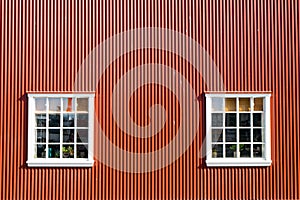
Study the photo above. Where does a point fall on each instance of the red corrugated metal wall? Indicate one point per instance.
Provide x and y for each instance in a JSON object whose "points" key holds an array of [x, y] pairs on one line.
{"points": [[255, 45]]}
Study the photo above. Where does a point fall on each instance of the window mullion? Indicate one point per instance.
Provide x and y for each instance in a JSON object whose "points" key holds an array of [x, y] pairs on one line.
{"points": [[47, 126], [251, 125], [224, 142], [61, 129], [237, 128], [266, 129], [75, 129], [208, 125]]}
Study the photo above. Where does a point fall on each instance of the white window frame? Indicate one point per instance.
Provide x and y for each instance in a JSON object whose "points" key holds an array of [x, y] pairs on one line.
{"points": [[59, 162], [238, 162]]}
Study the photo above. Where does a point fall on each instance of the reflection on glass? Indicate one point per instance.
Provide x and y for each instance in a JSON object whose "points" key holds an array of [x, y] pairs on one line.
{"points": [[82, 104], [53, 151], [244, 104], [40, 104], [257, 150], [68, 120], [245, 150], [245, 135], [54, 120], [217, 151], [258, 104], [82, 151], [230, 135], [40, 150], [68, 135], [82, 136], [68, 104], [54, 136], [217, 135], [230, 150], [217, 104], [54, 104], [257, 119], [82, 120], [40, 135], [244, 119], [217, 119], [230, 120], [257, 135], [230, 104], [40, 120], [68, 151]]}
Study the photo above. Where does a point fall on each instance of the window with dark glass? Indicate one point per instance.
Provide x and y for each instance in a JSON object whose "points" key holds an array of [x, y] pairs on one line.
{"points": [[237, 127], [62, 128]]}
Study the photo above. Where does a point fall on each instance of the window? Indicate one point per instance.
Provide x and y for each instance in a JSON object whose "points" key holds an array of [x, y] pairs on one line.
{"points": [[238, 130], [60, 130]]}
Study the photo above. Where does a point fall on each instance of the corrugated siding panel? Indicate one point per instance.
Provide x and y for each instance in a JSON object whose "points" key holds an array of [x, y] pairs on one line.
{"points": [[255, 44]]}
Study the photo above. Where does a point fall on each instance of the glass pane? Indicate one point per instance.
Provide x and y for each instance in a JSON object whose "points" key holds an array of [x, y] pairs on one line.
{"points": [[54, 104], [68, 151], [82, 151], [244, 104], [40, 120], [245, 150], [68, 120], [217, 151], [82, 136], [245, 119], [54, 135], [230, 135], [257, 119], [217, 135], [230, 104], [230, 120], [258, 104], [245, 135], [40, 135], [68, 104], [53, 151], [82, 120], [230, 150], [257, 135], [257, 150], [54, 120], [40, 150], [68, 135], [40, 104], [82, 104], [217, 119], [217, 104]]}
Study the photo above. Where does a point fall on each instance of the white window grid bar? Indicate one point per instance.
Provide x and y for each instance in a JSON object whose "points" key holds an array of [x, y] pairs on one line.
{"points": [[224, 129], [251, 123], [47, 126], [237, 100]]}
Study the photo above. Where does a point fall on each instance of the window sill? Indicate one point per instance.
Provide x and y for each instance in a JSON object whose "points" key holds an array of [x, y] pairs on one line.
{"points": [[241, 162], [58, 163]]}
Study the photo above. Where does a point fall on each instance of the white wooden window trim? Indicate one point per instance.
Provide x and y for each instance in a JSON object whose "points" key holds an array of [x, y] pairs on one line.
{"points": [[238, 162], [59, 162]]}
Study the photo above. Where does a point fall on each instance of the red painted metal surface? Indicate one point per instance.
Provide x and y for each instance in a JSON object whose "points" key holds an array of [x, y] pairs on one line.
{"points": [[255, 45]]}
